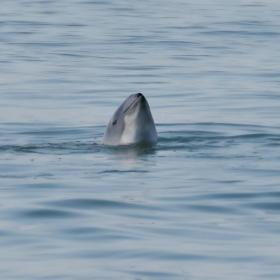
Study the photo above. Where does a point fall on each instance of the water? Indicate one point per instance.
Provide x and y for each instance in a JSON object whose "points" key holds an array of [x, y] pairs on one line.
{"points": [[203, 203]]}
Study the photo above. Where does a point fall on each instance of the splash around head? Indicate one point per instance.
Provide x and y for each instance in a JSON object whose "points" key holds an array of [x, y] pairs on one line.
{"points": [[132, 123]]}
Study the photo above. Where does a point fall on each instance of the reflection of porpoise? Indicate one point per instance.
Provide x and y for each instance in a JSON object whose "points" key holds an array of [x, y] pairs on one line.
{"points": [[132, 123]]}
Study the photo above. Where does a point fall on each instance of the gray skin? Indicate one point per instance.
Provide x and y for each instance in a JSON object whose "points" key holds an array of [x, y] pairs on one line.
{"points": [[132, 123]]}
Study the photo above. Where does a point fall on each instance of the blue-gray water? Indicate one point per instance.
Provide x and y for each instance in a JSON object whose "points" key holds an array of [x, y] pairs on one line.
{"points": [[202, 204]]}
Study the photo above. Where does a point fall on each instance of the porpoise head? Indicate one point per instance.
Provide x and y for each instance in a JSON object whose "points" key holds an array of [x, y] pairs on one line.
{"points": [[132, 123]]}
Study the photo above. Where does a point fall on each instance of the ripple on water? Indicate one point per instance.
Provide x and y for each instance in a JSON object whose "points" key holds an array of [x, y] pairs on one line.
{"points": [[46, 213], [237, 196], [189, 137], [92, 203], [118, 171], [98, 233], [44, 186], [162, 255], [232, 203], [155, 274], [265, 206], [54, 148]]}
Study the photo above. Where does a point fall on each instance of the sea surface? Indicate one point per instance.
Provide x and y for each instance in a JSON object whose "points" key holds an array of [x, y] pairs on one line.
{"points": [[204, 203]]}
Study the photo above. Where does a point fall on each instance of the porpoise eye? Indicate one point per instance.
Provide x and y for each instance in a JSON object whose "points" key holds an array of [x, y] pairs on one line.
{"points": [[114, 122]]}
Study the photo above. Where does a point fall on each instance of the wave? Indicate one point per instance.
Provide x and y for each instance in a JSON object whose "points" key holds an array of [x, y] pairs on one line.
{"points": [[61, 140]]}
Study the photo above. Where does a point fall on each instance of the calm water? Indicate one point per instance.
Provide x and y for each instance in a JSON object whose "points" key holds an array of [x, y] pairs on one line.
{"points": [[202, 204]]}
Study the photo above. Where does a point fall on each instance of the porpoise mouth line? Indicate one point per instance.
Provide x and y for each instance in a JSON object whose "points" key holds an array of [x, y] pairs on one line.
{"points": [[131, 105]]}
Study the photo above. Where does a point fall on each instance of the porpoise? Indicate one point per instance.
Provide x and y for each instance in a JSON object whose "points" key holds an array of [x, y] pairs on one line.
{"points": [[132, 123]]}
